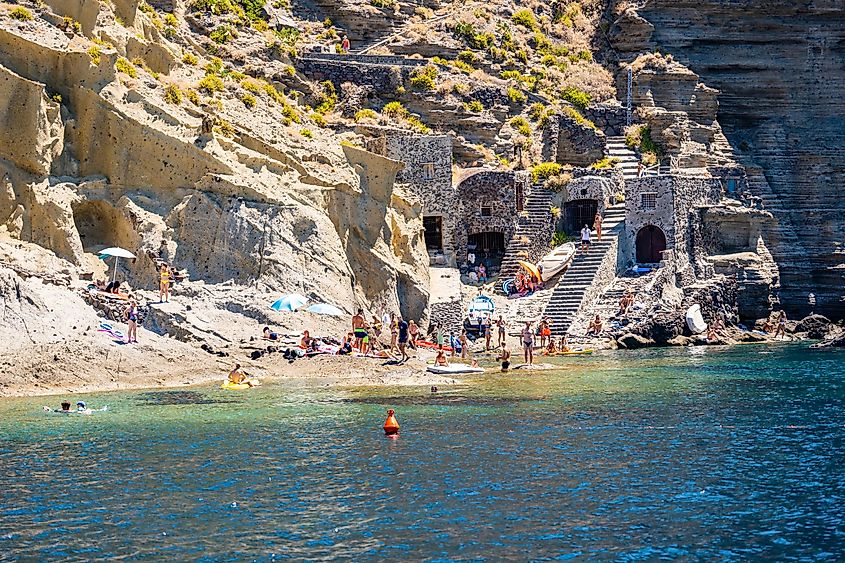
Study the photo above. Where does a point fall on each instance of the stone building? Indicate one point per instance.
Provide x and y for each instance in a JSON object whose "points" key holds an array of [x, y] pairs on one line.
{"points": [[489, 203], [586, 194], [428, 175], [660, 212]]}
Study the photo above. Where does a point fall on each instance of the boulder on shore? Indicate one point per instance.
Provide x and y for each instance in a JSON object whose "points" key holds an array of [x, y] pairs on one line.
{"points": [[633, 341], [816, 326]]}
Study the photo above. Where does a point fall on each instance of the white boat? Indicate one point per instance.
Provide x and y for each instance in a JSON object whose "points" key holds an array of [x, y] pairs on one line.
{"points": [[556, 260], [695, 321], [454, 368]]}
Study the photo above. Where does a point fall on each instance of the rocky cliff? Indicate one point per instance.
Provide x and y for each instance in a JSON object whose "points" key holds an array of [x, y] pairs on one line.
{"points": [[122, 128], [779, 66]]}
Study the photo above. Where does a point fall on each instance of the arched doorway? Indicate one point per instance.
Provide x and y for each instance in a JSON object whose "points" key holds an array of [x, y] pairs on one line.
{"points": [[577, 213], [651, 242], [488, 247]]}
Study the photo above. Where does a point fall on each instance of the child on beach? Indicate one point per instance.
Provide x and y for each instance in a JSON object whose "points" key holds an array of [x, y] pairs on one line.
{"points": [[505, 357]]}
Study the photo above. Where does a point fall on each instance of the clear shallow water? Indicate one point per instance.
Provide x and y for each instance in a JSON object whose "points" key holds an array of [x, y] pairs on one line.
{"points": [[716, 454]]}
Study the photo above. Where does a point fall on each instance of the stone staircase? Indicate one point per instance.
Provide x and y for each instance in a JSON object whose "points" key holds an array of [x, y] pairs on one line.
{"points": [[535, 217], [568, 295], [628, 160]]}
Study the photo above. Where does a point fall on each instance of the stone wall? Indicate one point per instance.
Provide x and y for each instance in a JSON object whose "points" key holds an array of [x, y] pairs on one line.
{"points": [[675, 199], [493, 189], [427, 174], [378, 60], [567, 142], [383, 78], [609, 118]]}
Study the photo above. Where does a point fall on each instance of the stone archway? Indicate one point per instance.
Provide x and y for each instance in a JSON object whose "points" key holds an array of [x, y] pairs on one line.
{"points": [[651, 242]]}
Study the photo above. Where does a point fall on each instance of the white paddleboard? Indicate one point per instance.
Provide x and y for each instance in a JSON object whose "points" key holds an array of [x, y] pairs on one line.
{"points": [[454, 368]]}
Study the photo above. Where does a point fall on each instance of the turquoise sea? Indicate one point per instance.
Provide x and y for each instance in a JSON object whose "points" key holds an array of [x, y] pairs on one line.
{"points": [[693, 454]]}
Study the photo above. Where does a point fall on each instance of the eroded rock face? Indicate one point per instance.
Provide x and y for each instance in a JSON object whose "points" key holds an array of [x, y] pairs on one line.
{"points": [[778, 66]]}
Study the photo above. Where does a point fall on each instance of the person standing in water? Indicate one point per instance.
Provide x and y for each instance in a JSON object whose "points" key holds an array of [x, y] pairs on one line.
{"points": [[131, 315], [780, 331], [528, 343]]}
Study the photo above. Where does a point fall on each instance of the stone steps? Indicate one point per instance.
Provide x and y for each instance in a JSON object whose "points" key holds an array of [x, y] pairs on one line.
{"points": [[615, 147]]}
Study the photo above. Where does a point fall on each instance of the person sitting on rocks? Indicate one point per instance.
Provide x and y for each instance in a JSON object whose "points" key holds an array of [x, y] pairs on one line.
{"points": [[564, 343], [113, 287], [768, 326], [441, 360], [482, 273], [595, 326], [551, 349]]}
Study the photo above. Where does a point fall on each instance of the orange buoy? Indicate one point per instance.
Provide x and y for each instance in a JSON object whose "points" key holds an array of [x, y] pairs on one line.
{"points": [[391, 427]]}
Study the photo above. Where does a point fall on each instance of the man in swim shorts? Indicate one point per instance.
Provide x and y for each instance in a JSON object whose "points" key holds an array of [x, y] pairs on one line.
{"points": [[505, 356], [359, 330], [403, 340]]}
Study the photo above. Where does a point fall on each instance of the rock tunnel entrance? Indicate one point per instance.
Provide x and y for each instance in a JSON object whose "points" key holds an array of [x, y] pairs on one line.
{"points": [[651, 242], [577, 213]]}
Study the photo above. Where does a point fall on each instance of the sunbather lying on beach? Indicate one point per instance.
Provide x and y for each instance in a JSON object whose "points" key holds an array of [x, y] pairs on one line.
{"points": [[268, 335]]}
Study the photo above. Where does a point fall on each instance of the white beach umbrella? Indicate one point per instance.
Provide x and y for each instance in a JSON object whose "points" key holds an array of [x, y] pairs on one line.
{"points": [[118, 253]]}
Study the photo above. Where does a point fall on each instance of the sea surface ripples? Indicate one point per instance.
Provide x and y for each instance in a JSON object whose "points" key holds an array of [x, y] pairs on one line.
{"points": [[728, 455]]}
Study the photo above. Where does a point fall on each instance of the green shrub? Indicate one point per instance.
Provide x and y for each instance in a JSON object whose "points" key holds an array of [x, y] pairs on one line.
{"points": [[290, 113], [525, 18], [536, 111], [94, 52], [249, 100], [211, 84], [424, 78], [21, 14], [171, 20], [469, 58], [123, 65], [395, 110], [521, 126], [222, 34], [559, 238], [418, 125], [319, 120], [273, 93], [389, 4], [423, 12], [225, 128], [70, 24], [558, 182], [190, 59], [579, 119], [327, 100], [192, 96], [251, 86], [576, 97], [463, 67], [604, 163], [56, 98], [474, 106], [639, 137], [545, 170], [306, 133], [516, 96], [172, 94], [365, 114], [467, 32], [548, 60], [214, 67]]}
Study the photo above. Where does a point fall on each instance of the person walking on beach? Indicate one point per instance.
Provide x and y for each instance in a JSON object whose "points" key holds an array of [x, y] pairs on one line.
{"points": [[502, 325], [597, 225], [488, 335], [131, 315], [402, 339], [780, 331], [528, 343], [585, 239], [358, 329], [505, 356], [164, 284]]}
